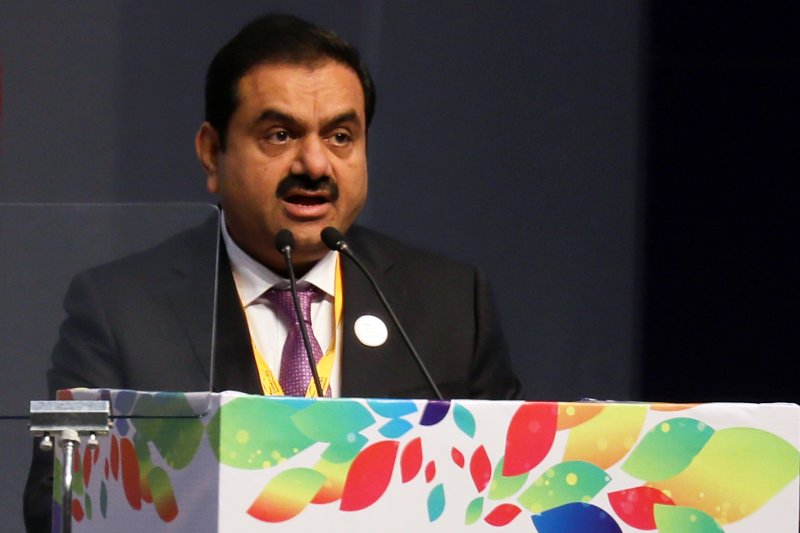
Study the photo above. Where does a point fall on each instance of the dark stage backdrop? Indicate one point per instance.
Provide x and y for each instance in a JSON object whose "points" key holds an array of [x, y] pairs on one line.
{"points": [[507, 134]]}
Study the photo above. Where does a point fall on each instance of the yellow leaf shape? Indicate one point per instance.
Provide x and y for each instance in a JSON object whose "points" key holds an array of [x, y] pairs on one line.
{"points": [[286, 495], [608, 437], [571, 414], [737, 472]]}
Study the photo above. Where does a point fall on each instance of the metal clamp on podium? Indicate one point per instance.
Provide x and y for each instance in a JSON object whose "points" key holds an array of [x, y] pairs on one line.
{"points": [[68, 421]]}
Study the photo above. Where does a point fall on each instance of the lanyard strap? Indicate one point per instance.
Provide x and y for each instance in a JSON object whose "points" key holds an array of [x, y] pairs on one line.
{"points": [[271, 385]]}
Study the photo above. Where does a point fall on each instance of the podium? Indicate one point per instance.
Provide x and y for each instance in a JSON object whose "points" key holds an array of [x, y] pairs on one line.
{"points": [[237, 463]]}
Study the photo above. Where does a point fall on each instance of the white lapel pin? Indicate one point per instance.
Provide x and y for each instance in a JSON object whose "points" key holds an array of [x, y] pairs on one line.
{"points": [[370, 330]]}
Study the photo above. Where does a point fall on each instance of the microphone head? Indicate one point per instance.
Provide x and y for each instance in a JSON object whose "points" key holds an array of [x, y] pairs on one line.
{"points": [[284, 240], [333, 238]]}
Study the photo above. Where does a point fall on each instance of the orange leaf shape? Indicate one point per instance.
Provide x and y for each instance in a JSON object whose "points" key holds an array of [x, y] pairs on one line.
{"points": [[77, 510], [87, 466], [114, 457], [576, 413], [130, 474], [369, 475]]}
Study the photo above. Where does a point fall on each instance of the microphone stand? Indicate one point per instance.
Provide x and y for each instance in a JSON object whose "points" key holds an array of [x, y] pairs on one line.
{"points": [[334, 240], [284, 242]]}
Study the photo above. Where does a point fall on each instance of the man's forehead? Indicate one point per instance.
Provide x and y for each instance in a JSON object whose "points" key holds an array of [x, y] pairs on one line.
{"points": [[335, 81]]}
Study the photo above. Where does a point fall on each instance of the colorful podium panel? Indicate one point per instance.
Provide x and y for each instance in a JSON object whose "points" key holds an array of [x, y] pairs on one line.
{"points": [[252, 463]]}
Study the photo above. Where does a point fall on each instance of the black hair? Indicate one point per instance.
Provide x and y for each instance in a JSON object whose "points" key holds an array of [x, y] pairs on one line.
{"points": [[275, 38]]}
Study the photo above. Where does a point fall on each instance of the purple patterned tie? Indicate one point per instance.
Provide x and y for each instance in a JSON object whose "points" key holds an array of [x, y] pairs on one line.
{"points": [[295, 373]]}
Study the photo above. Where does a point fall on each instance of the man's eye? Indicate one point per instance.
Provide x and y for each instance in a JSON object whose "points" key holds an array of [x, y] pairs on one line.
{"points": [[279, 136], [340, 138]]}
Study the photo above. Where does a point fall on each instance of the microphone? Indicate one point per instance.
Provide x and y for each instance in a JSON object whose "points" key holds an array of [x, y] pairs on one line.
{"points": [[284, 243], [334, 240]]}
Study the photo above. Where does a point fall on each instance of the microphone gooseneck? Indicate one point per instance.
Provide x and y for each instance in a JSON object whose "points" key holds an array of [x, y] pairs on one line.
{"points": [[284, 243], [334, 240]]}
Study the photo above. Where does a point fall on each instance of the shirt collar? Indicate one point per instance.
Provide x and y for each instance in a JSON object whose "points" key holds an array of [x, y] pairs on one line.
{"points": [[254, 279]]}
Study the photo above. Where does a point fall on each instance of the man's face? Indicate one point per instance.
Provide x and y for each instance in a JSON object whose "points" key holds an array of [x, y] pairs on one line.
{"points": [[295, 158]]}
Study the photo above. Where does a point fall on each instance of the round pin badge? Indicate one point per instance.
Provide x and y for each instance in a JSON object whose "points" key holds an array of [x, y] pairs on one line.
{"points": [[370, 330]]}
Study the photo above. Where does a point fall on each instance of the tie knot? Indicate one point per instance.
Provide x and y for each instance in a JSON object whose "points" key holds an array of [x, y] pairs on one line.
{"points": [[282, 300]]}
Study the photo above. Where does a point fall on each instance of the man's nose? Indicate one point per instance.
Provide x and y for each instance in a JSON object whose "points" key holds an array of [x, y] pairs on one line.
{"points": [[312, 158]]}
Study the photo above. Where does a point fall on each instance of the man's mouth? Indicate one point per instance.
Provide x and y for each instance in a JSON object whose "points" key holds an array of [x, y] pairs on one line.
{"points": [[301, 199]]}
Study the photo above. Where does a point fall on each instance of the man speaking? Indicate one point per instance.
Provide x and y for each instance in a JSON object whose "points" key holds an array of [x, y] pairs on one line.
{"points": [[283, 145]]}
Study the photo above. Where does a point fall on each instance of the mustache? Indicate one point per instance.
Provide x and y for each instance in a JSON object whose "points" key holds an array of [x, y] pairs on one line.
{"points": [[307, 183]]}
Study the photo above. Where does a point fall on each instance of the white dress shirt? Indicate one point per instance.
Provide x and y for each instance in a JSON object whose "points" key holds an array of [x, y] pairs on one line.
{"points": [[268, 330]]}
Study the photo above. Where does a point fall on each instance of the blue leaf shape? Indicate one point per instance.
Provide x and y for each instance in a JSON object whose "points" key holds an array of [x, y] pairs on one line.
{"points": [[436, 503], [435, 411], [575, 516], [395, 428], [464, 420], [392, 408], [122, 426]]}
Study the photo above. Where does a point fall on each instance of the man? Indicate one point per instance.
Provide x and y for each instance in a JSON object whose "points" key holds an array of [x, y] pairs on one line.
{"points": [[284, 147]]}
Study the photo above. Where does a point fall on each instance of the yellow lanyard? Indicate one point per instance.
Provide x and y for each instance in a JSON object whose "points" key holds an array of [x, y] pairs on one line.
{"points": [[271, 385]]}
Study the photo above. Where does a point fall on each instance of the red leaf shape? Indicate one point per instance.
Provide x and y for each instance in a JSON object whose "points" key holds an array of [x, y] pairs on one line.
{"points": [[64, 394], [502, 514], [411, 460], [430, 471], [530, 435], [458, 457], [481, 468], [77, 510], [87, 466], [635, 506], [369, 475], [105, 468], [130, 474], [114, 457]]}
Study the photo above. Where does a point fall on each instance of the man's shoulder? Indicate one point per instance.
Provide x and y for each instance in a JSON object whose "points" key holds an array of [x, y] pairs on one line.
{"points": [[183, 252], [381, 249]]}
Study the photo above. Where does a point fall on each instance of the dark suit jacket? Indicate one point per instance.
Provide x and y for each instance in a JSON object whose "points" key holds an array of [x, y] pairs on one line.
{"points": [[145, 323]]}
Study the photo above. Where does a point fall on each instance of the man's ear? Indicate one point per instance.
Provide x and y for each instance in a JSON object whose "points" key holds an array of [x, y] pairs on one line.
{"points": [[207, 146]]}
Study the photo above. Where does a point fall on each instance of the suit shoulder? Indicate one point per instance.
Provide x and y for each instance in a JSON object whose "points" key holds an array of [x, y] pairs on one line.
{"points": [[183, 251], [382, 249]]}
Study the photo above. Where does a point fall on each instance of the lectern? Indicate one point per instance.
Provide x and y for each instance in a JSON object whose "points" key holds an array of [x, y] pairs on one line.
{"points": [[202, 462]]}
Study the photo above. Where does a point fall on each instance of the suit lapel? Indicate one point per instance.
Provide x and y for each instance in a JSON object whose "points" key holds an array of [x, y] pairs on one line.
{"points": [[369, 372], [202, 268]]}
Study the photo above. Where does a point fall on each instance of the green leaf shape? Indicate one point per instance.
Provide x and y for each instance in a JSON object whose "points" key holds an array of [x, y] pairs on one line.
{"points": [[737, 472], [87, 505], [176, 439], [571, 481], [464, 419], [332, 420], [142, 447], [342, 452], [474, 511], [251, 434], [673, 519], [505, 486], [667, 449], [77, 476], [436, 502], [58, 478]]}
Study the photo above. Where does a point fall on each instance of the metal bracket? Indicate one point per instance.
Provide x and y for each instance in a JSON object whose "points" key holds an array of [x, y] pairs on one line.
{"points": [[68, 421]]}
